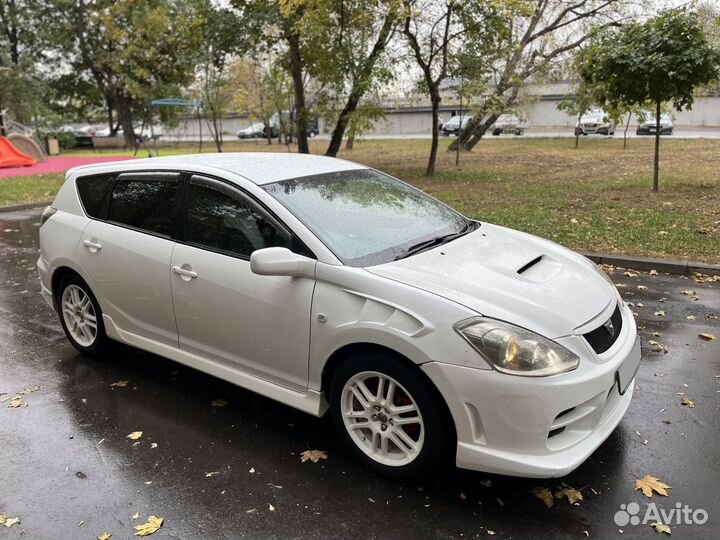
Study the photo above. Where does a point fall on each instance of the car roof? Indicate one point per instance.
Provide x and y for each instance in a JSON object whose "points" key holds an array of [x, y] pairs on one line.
{"points": [[258, 167]]}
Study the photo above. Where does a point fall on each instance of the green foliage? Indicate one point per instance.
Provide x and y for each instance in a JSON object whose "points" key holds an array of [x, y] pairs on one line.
{"points": [[662, 60]]}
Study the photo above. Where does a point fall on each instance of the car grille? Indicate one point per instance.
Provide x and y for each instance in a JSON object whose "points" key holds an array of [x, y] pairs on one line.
{"points": [[603, 337]]}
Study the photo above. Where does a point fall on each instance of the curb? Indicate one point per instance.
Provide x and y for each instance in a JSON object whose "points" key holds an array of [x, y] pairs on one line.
{"points": [[661, 265], [19, 207]]}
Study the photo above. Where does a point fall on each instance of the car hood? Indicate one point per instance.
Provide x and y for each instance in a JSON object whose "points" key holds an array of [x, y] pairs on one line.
{"points": [[512, 276]]}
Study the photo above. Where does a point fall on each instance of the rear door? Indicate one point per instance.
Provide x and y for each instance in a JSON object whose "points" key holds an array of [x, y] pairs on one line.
{"points": [[126, 250], [225, 312]]}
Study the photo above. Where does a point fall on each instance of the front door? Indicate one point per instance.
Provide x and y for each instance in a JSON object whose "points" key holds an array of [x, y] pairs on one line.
{"points": [[224, 312]]}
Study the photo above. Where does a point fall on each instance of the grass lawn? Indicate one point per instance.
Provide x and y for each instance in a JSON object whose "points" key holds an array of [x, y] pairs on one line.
{"points": [[594, 198]]}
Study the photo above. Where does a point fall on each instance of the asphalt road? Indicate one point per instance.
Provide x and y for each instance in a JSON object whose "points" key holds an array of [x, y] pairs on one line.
{"points": [[68, 470]]}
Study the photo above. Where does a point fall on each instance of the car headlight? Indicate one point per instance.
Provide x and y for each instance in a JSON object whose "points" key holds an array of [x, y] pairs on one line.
{"points": [[515, 350]]}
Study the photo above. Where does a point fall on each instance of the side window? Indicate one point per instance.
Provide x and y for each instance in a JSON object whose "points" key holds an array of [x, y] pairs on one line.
{"points": [[220, 221], [92, 191], [143, 204]]}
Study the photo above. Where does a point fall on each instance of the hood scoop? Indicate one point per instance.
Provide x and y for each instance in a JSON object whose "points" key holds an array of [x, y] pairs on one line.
{"points": [[540, 269]]}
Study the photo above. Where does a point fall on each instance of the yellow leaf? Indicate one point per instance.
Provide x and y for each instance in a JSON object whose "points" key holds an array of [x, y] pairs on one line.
{"points": [[152, 525], [648, 484], [706, 337], [491, 533], [136, 515], [688, 403], [571, 494], [104, 536], [661, 528], [135, 435], [219, 403], [313, 455], [271, 507], [543, 494], [120, 384], [16, 403], [691, 317], [9, 522], [660, 313]]}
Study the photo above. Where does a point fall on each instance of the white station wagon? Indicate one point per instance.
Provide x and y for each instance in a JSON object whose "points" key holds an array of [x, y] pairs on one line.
{"points": [[327, 285]]}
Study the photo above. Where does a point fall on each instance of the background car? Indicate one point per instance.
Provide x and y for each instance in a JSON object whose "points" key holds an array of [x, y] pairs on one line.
{"points": [[507, 123], [455, 125], [254, 130], [649, 126], [595, 122]]}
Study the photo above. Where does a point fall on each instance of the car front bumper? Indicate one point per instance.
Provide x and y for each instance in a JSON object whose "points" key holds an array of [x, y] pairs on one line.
{"points": [[536, 427]]}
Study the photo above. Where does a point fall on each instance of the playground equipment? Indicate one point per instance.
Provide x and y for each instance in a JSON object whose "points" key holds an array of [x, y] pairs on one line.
{"points": [[167, 102], [11, 157]]}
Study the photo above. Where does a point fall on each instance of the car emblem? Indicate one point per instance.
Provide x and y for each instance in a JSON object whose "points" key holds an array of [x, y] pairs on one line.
{"points": [[610, 327]]}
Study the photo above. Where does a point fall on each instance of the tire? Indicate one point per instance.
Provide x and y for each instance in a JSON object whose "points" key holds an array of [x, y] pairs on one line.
{"points": [[395, 458], [75, 300]]}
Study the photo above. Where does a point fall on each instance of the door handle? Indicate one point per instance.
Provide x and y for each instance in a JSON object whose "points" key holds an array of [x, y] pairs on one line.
{"points": [[92, 246], [184, 272]]}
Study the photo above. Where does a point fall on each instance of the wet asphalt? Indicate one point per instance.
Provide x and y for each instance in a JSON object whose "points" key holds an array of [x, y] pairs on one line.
{"points": [[68, 470]]}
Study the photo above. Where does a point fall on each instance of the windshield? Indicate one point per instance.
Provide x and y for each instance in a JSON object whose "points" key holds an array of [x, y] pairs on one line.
{"points": [[365, 217]]}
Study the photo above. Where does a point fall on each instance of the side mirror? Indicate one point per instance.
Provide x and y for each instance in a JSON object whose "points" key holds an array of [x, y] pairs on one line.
{"points": [[280, 261]]}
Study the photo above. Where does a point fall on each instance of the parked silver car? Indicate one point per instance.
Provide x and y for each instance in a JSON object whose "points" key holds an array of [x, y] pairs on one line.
{"points": [[455, 125], [507, 123], [595, 122]]}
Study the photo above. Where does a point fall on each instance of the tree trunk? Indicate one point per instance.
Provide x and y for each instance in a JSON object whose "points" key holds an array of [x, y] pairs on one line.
{"points": [[656, 168], [342, 122], [577, 133], [296, 69], [108, 104], [627, 125], [435, 101], [468, 139], [125, 119], [350, 142]]}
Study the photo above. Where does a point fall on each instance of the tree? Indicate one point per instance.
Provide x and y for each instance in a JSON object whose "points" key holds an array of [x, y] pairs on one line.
{"points": [[536, 36], [661, 60], [220, 40], [125, 49], [577, 104]]}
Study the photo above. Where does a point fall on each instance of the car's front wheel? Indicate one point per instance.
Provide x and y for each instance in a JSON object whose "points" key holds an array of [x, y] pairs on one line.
{"points": [[387, 416], [80, 316]]}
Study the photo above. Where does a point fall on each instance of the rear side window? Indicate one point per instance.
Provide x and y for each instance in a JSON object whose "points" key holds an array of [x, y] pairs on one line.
{"points": [[92, 191], [143, 204]]}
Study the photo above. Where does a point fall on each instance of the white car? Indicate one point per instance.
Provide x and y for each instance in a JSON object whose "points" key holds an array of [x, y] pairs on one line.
{"points": [[595, 122], [327, 285]]}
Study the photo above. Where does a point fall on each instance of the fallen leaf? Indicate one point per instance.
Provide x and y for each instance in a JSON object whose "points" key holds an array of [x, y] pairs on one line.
{"points": [[104, 536], [210, 474], [660, 313], [642, 288], [153, 445], [691, 317], [648, 484], [219, 403], [544, 495], [486, 483], [667, 421], [702, 335], [688, 403], [120, 384], [710, 316], [152, 525], [658, 347], [8, 522], [135, 435], [661, 527], [271, 507], [463, 496], [491, 533], [82, 522], [653, 272], [28, 391], [656, 334], [16, 403], [313, 455], [571, 494], [252, 470], [136, 515]]}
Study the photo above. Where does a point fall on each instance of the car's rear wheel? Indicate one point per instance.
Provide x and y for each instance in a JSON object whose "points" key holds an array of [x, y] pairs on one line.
{"points": [[387, 416], [80, 316]]}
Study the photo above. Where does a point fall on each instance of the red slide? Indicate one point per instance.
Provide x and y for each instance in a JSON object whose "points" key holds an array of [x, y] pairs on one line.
{"points": [[10, 157]]}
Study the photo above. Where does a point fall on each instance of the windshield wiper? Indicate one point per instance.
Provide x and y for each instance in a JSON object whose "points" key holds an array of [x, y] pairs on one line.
{"points": [[435, 241]]}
